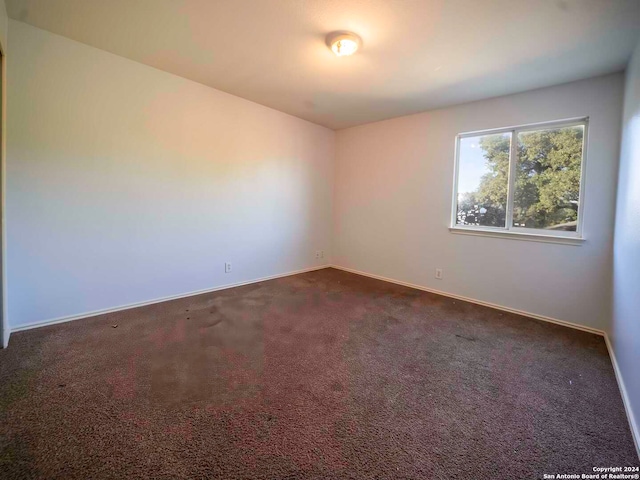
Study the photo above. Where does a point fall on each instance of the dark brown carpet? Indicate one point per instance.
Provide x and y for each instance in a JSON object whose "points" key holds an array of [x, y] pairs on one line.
{"points": [[320, 375]]}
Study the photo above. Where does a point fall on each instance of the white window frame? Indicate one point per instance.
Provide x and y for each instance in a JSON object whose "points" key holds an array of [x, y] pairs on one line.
{"points": [[522, 233]]}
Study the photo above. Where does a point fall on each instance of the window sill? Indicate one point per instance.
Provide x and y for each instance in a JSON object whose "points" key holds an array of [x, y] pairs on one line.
{"points": [[532, 237]]}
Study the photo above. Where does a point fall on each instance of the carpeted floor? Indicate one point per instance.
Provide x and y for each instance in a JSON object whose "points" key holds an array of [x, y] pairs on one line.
{"points": [[321, 375]]}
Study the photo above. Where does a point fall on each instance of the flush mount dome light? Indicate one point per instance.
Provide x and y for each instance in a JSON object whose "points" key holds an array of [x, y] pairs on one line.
{"points": [[343, 43]]}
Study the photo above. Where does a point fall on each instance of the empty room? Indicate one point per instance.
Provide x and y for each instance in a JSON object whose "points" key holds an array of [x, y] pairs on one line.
{"points": [[320, 239]]}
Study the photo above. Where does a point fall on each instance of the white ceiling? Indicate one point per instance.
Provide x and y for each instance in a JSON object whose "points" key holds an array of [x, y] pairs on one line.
{"points": [[417, 54]]}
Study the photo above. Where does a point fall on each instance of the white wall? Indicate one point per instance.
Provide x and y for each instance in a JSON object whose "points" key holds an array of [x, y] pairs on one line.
{"points": [[625, 330], [392, 206], [128, 184], [4, 28]]}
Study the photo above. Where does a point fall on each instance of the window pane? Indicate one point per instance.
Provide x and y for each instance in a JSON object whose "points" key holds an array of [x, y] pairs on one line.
{"points": [[547, 184], [483, 180]]}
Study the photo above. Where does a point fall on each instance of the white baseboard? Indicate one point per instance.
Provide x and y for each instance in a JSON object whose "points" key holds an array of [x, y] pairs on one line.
{"points": [[473, 300], [633, 424], [635, 431], [94, 313]]}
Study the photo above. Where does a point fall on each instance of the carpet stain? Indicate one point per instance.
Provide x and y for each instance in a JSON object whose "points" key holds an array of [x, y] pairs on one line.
{"points": [[16, 388], [471, 339]]}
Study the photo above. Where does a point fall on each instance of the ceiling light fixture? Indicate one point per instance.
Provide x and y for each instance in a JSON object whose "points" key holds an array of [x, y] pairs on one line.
{"points": [[343, 43]]}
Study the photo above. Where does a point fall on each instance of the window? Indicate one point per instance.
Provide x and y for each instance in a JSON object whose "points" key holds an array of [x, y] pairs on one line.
{"points": [[523, 182]]}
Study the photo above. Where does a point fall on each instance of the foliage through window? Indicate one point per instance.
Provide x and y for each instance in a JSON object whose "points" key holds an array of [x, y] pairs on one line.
{"points": [[525, 179]]}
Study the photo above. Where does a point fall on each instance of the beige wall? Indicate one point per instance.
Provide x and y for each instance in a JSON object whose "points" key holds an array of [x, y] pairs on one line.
{"points": [[4, 24], [393, 200], [4, 27], [128, 184]]}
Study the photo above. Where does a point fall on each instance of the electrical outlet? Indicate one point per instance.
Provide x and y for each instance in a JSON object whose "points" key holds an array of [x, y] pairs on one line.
{"points": [[439, 273], [319, 254], [227, 267]]}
